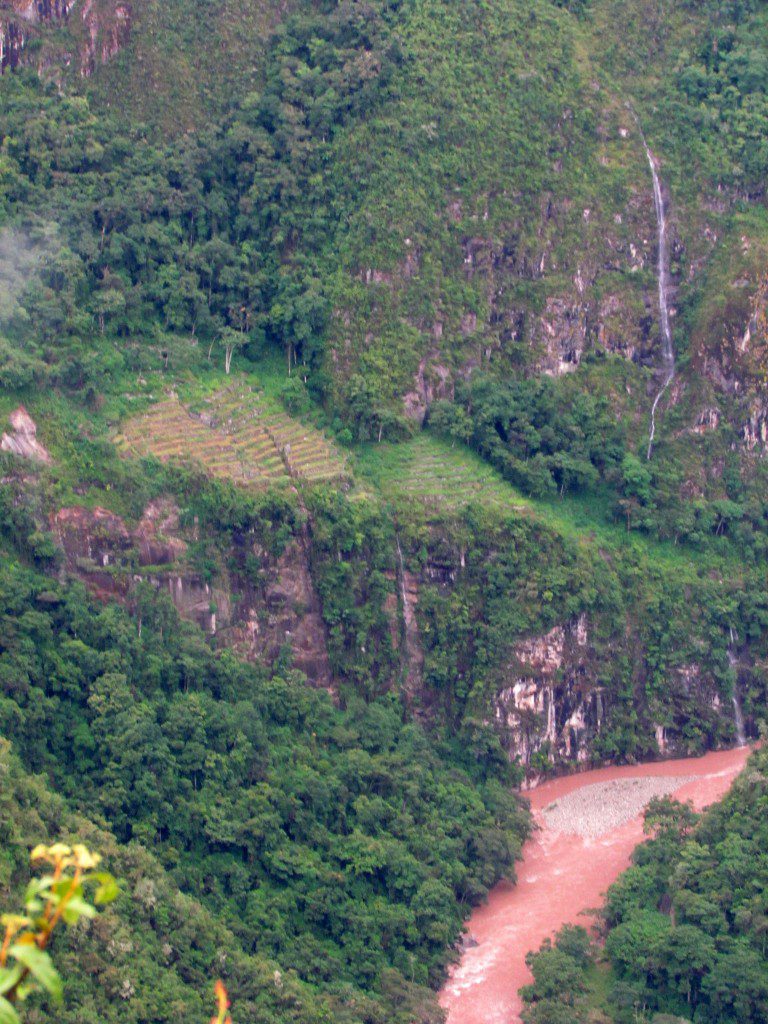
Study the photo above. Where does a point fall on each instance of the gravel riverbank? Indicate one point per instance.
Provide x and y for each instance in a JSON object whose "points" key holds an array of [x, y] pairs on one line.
{"points": [[592, 811]]}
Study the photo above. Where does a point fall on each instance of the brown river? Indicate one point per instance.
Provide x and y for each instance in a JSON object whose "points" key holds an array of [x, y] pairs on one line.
{"points": [[589, 825]]}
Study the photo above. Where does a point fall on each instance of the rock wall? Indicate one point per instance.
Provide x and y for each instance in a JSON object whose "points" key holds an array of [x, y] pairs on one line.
{"points": [[556, 699], [22, 437], [107, 26], [17, 21], [259, 619], [550, 704], [100, 29], [12, 40], [284, 611]]}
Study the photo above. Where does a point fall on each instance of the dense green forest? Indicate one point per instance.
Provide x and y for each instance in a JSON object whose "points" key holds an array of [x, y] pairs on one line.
{"points": [[124, 253], [418, 235], [342, 844], [685, 926]]}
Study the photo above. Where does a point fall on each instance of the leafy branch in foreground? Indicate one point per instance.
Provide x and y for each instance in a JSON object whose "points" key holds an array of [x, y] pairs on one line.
{"points": [[58, 895]]}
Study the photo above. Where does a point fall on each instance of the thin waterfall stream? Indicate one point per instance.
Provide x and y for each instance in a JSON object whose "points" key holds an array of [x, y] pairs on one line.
{"points": [[662, 270], [405, 610], [738, 715]]}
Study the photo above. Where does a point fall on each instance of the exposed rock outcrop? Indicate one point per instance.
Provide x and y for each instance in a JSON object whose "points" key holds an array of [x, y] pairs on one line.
{"points": [[755, 430], [258, 619], [284, 612], [17, 21], [100, 29], [432, 381], [560, 333], [107, 31], [22, 440], [12, 40], [550, 705]]}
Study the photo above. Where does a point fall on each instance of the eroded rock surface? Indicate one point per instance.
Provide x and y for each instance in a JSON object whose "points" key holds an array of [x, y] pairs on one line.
{"points": [[285, 611], [22, 438], [100, 29], [257, 619], [550, 704]]}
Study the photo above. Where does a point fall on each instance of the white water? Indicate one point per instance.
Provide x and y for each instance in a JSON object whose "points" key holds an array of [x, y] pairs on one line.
{"points": [[405, 610], [738, 717], [403, 590], [667, 350]]}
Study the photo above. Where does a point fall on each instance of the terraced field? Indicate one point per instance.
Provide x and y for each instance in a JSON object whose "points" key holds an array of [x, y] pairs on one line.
{"points": [[236, 434], [444, 478], [440, 476]]}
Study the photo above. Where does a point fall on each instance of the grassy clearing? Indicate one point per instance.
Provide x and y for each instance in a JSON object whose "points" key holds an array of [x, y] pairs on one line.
{"points": [[445, 478], [433, 472]]}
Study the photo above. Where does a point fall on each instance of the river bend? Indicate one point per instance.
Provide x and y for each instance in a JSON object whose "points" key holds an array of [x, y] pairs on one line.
{"points": [[565, 873]]}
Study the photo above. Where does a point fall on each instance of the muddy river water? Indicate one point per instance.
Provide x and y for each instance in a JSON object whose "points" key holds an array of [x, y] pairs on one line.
{"points": [[589, 825]]}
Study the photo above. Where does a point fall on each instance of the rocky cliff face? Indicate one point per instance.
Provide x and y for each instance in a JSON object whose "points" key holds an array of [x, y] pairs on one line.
{"points": [[730, 344], [283, 611], [551, 705], [107, 30], [98, 30], [22, 440], [563, 698], [18, 20], [258, 619]]}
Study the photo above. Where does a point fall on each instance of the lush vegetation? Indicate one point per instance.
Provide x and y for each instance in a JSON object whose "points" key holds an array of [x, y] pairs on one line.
{"points": [[552, 437], [152, 954], [56, 897], [374, 213], [341, 843], [275, 231]]}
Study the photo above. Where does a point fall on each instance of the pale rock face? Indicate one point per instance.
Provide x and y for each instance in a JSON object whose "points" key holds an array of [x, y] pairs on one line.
{"points": [[543, 655], [108, 32], [546, 705], [755, 430], [22, 440], [708, 419], [560, 333], [15, 14], [432, 381], [107, 26], [661, 738]]}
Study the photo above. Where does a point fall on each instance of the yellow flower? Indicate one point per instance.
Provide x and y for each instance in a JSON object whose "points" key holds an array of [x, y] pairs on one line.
{"points": [[222, 1000], [83, 857], [59, 851]]}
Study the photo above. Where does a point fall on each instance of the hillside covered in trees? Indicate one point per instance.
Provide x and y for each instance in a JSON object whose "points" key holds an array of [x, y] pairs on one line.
{"points": [[330, 332]]}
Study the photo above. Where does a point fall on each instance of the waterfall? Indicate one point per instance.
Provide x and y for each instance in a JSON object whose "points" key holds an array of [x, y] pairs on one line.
{"points": [[401, 577], [662, 272], [738, 717], [412, 654], [407, 618], [551, 716]]}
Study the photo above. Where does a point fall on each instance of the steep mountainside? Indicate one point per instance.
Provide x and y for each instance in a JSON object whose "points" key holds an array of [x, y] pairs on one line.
{"points": [[342, 330]]}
